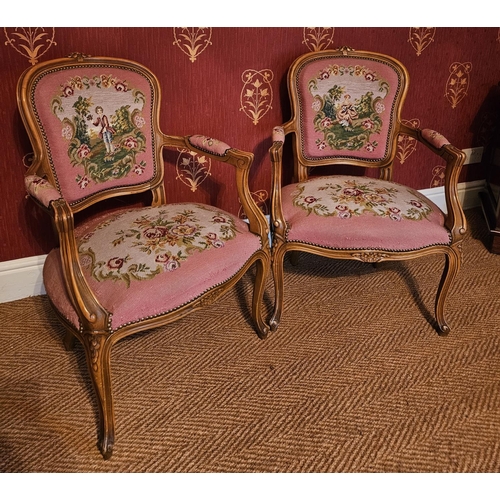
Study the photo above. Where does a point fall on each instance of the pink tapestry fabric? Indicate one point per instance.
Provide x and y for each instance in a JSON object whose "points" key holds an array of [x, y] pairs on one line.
{"points": [[278, 134], [345, 212], [346, 107], [209, 144], [145, 262], [435, 138], [41, 189], [97, 126]]}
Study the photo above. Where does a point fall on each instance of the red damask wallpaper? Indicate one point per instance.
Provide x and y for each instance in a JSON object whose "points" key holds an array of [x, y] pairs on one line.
{"points": [[230, 83]]}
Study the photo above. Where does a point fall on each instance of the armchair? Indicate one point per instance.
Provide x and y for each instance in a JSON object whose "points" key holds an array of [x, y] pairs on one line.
{"points": [[94, 126], [346, 108]]}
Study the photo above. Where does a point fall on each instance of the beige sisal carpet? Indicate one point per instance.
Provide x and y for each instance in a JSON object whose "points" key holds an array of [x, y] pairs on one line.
{"points": [[355, 379]]}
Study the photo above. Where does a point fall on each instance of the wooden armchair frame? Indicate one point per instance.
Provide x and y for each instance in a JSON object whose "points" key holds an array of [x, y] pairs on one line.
{"points": [[455, 221], [94, 327]]}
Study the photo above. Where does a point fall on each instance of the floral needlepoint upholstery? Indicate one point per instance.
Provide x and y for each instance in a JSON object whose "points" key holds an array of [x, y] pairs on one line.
{"points": [[167, 256], [347, 108], [41, 189], [209, 144], [342, 201], [101, 124], [341, 211], [435, 138]]}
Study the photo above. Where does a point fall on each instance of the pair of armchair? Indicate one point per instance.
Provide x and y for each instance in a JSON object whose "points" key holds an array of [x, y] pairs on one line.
{"points": [[94, 127]]}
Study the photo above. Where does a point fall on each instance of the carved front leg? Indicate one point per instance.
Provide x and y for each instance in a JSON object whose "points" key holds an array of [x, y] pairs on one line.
{"points": [[262, 271], [279, 251], [98, 354], [451, 268]]}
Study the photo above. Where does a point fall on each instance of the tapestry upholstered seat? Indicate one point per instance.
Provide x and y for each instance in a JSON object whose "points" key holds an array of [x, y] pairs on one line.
{"points": [[346, 114], [93, 124]]}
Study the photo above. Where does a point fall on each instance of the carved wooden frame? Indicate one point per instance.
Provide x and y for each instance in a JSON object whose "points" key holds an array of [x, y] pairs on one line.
{"points": [[455, 220], [95, 331]]}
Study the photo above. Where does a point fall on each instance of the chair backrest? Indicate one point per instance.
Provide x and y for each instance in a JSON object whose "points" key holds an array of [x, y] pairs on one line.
{"points": [[93, 124], [346, 107]]}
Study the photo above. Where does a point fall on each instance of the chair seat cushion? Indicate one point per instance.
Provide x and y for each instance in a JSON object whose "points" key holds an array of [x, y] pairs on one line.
{"points": [[144, 262], [348, 212]]}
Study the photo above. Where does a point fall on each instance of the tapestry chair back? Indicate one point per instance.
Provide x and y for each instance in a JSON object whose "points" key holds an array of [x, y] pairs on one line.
{"points": [[94, 128], [346, 112], [98, 130]]}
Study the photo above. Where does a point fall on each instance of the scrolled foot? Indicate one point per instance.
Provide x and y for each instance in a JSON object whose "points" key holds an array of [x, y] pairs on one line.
{"points": [[443, 329], [274, 324], [106, 448], [263, 332]]}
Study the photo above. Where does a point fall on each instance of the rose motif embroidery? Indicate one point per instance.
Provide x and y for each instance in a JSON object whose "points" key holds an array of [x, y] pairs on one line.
{"points": [[155, 241], [345, 197]]}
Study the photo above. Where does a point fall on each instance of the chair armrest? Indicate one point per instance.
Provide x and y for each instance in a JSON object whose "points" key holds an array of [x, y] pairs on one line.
{"points": [[40, 189], [93, 317], [242, 160], [455, 218]]}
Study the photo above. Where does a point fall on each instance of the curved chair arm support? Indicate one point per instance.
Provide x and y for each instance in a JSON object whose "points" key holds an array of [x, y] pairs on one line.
{"points": [[242, 160], [454, 157], [93, 317], [276, 155]]}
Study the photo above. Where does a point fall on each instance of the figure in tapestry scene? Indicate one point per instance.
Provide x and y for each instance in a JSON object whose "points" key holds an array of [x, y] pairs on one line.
{"points": [[347, 112], [106, 132]]}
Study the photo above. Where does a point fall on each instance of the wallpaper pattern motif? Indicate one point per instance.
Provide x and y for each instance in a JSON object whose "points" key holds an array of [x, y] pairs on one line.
{"points": [[32, 43], [192, 169], [230, 83], [192, 41], [318, 38], [257, 93], [458, 82], [421, 38]]}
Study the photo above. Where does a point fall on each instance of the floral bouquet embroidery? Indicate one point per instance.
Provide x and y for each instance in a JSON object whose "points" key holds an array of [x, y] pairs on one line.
{"points": [[348, 197], [154, 242]]}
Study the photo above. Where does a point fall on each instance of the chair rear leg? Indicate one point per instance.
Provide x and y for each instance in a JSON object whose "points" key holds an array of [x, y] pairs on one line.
{"points": [[69, 340], [262, 272], [98, 354], [451, 267], [278, 278]]}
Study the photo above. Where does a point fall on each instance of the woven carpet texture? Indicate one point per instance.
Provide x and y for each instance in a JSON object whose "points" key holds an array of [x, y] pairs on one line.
{"points": [[356, 379]]}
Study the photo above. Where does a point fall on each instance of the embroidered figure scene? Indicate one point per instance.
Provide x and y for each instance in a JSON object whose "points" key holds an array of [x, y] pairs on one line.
{"points": [[104, 140], [347, 119]]}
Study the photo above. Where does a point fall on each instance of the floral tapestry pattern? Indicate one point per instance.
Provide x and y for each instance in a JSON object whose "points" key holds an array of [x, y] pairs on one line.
{"points": [[101, 122], [348, 102], [346, 197], [155, 241]]}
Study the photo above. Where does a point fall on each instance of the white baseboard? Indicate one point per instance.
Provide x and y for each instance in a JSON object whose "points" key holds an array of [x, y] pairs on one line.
{"points": [[468, 193], [22, 278]]}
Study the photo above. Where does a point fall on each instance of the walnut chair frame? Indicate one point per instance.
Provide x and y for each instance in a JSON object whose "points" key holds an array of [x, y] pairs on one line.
{"points": [[76, 299], [306, 70]]}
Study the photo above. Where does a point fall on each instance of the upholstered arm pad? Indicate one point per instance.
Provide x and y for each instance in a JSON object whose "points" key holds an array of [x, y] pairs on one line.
{"points": [[41, 189], [434, 138], [209, 144], [278, 134]]}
